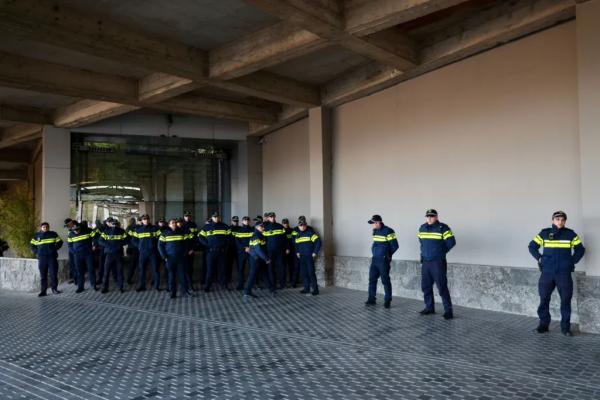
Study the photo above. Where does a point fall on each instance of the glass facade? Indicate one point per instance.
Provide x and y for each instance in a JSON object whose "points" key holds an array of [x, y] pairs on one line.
{"points": [[127, 176]]}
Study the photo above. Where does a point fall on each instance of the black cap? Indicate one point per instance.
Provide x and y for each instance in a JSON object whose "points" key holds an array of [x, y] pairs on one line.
{"points": [[67, 221], [259, 223], [559, 214], [258, 218], [272, 214], [266, 214], [301, 222], [431, 213], [161, 220], [285, 221], [180, 219], [44, 223], [145, 216], [235, 218], [246, 218], [375, 218], [187, 214], [215, 214]]}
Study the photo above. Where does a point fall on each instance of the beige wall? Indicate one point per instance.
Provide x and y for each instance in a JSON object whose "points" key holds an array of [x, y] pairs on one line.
{"points": [[286, 175], [490, 142]]}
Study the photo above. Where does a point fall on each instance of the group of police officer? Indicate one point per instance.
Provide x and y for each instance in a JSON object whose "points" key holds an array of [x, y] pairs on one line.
{"points": [[562, 249], [276, 251], [267, 250]]}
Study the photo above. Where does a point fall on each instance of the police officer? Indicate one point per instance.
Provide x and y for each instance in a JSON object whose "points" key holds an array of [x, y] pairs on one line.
{"points": [[192, 229], [232, 249], [81, 242], [45, 244], [277, 248], [215, 237], [242, 244], [289, 260], [562, 250], [132, 252], [113, 239], [257, 254], [436, 240], [68, 224], [384, 246], [146, 241], [307, 245], [162, 226], [173, 246]]}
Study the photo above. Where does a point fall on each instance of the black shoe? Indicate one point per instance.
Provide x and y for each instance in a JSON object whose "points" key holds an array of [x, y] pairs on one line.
{"points": [[104, 290], [425, 311], [71, 281], [140, 289], [541, 329], [448, 315], [56, 291], [315, 293], [304, 291], [173, 296], [158, 289], [42, 293], [190, 293], [370, 303], [122, 290], [96, 288], [206, 290], [129, 282], [387, 304], [239, 288], [79, 291], [567, 333]]}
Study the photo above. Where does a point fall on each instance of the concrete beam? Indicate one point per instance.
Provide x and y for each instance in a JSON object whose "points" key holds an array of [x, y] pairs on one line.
{"points": [[13, 174], [495, 27], [85, 112], [324, 19], [19, 134], [16, 156], [43, 21], [23, 114], [287, 116]]}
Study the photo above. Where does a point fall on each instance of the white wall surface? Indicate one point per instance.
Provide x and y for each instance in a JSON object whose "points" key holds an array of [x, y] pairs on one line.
{"points": [[491, 142], [286, 174]]}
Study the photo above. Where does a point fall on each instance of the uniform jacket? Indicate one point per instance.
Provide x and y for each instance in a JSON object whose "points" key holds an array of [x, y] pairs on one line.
{"points": [[562, 249], [113, 240], [242, 237], [145, 237], [46, 244], [384, 242], [306, 243], [436, 240], [80, 242], [258, 246], [215, 235], [173, 243], [276, 236]]}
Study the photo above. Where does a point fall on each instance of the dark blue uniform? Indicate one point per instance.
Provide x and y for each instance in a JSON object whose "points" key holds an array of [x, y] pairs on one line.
{"points": [[173, 245], [45, 246], [290, 260], [113, 240], [277, 244], [258, 255], [562, 250], [242, 237], [436, 240], [80, 242], [133, 253], [307, 243], [192, 229], [145, 239], [215, 237], [384, 246]]}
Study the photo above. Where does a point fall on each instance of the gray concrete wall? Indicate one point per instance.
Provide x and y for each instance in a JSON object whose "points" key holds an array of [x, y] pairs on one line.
{"points": [[490, 142], [22, 274], [286, 171]]}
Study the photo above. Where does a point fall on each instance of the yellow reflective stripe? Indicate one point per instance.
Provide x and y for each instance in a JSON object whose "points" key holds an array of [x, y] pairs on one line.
{"points": [[274, 232], [314, 237], [113, 237], [256, 242], [45, 241], [447, 234], [576, 241], [379, 238], [390, 237], [302, 239], [218, 232], [132, 233], [538, 239], [33, 241], [174, 238], [557, 244], [430, 235], [242, 235], [144, 235], [295, 233], [203, 233], [289, 236], [79, 238]]}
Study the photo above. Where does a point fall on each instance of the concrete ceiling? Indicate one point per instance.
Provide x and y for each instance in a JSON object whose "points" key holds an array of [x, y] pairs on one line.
{"points": [[33, 99], [205, 24]]}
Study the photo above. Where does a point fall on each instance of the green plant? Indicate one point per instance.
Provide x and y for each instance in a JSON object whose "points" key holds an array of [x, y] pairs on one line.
{"points": [[18, 221]]}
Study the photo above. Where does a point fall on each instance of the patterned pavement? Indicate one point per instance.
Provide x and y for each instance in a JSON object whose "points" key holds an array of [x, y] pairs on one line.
{"points": [[146, 346]]}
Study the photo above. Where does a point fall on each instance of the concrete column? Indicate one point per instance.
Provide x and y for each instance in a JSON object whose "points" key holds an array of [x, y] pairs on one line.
{"points": [[246, 178], [319, 145], [588, 48], [56, 179]]}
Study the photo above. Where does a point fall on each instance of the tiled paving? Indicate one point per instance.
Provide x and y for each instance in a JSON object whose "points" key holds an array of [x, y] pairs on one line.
{"points": [[145, 346]]}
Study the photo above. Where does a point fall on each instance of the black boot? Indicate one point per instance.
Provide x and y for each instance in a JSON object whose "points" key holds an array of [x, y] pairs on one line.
{"points": [[448, 315], [56, 291], [541, 329], [370, 302], [104, 290], [387, 304], [79, 291], [42, 293], [425, 311]]}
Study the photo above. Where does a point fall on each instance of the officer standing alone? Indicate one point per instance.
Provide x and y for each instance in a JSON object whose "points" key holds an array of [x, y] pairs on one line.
{"points": [[436, 240], [383, 247], [562, 250], [307, 245]]}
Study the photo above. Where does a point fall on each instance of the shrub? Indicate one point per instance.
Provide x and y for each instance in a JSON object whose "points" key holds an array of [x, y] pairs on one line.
{"points": [[18, 221]]}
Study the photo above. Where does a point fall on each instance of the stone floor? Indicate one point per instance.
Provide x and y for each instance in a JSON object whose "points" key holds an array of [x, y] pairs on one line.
{"points": [[145, 346]]}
